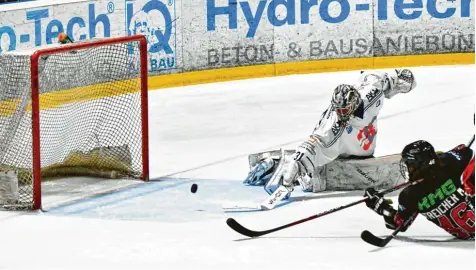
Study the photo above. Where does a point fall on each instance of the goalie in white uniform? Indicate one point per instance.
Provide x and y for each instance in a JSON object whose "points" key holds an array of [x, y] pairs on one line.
{"points": [[346, 131]]}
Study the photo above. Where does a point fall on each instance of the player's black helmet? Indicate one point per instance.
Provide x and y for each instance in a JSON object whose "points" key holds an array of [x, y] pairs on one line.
{"points": [[345, 100], [417, 159]]}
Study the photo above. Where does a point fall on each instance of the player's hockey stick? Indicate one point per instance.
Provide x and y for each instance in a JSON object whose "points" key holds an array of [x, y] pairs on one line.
{"points": [[232, 223], [382, 242], [471, 142]]}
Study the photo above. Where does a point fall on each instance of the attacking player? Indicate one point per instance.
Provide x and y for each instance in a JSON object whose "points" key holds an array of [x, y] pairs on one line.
{"points": [[445, 196], [346, 131]]}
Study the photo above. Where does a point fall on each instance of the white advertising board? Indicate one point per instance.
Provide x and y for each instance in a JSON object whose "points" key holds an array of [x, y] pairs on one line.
{"points": [[189, 35]]}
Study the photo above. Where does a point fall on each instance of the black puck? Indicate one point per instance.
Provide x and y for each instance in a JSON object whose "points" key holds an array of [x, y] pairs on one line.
{"points": [[194, 188]]}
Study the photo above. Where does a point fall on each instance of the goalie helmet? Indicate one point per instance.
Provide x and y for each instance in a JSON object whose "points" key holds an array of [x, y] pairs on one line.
{"points": [[417, 159], [345, 100]]}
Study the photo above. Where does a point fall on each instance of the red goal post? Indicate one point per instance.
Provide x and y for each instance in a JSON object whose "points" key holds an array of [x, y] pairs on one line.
{"points": [[87, 115]]}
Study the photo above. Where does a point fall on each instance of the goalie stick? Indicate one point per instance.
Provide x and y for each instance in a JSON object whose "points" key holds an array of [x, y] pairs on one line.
{"points": [[233, 224], [274, 199], [382, 242]]}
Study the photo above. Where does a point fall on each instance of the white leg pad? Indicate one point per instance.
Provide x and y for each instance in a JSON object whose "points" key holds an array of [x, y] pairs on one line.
{"points": [[358, 174]]}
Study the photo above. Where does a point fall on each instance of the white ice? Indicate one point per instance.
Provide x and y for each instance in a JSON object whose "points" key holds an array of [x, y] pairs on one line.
{"points": [[203, 134]]}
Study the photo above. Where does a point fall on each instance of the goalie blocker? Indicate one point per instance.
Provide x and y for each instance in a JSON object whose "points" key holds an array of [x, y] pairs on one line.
{"points": [[339, 174]]}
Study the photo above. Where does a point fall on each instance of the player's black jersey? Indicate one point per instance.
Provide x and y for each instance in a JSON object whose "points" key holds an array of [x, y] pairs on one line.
{"points": [[446, 195]]}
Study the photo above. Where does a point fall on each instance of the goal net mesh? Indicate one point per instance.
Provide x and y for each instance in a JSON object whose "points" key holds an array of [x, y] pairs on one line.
{"points": [[90, 117]]}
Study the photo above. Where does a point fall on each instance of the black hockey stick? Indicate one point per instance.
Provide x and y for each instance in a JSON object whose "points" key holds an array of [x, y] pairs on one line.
{"points": [[247, 232], [381, 242], [471, 142]]}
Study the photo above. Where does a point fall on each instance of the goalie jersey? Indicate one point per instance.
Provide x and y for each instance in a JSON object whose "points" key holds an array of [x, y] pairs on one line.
{"points": [[331, 140]]}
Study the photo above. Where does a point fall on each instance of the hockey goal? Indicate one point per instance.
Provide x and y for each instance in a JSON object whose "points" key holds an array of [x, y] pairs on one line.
{"points": [[68, 110]]}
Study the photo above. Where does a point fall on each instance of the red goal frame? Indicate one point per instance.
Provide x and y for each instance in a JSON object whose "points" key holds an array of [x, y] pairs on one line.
{"points": [[35, 102]]}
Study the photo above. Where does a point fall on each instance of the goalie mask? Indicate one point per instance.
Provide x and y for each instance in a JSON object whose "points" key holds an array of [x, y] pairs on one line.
{"points": [[345, 100], [417, 159]]}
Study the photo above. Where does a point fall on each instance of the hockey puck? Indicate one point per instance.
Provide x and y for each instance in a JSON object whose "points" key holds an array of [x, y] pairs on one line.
{"points": [[194, 188]]}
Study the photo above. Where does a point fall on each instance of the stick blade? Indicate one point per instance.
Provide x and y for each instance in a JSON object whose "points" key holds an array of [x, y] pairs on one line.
{"points": [[237, 227], [372, 239], [241, 206]]}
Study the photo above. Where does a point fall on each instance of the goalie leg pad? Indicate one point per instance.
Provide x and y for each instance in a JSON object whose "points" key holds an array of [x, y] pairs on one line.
{"points": [[261, 172], [345, 174], [263, 165], [306, 183]]}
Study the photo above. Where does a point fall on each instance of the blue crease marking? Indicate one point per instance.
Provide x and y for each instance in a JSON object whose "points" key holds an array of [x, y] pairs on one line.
{"points": [[112, 198]]}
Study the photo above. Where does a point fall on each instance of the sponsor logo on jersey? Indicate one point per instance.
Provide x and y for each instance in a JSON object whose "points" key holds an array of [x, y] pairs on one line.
{"points": [[335, 129], [372, 94], [349, 129], [367, 135], [440, 194], [444, 206]]}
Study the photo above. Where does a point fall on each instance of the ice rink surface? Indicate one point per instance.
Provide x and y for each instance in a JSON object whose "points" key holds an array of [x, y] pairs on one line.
{"points": [[203, 134]]}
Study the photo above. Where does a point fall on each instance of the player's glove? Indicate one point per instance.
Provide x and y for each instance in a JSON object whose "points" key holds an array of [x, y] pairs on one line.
{"points": [[375, 201]]}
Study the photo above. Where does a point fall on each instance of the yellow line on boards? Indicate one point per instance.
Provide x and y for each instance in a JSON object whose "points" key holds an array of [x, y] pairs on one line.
{"points": [[305, 67]]}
